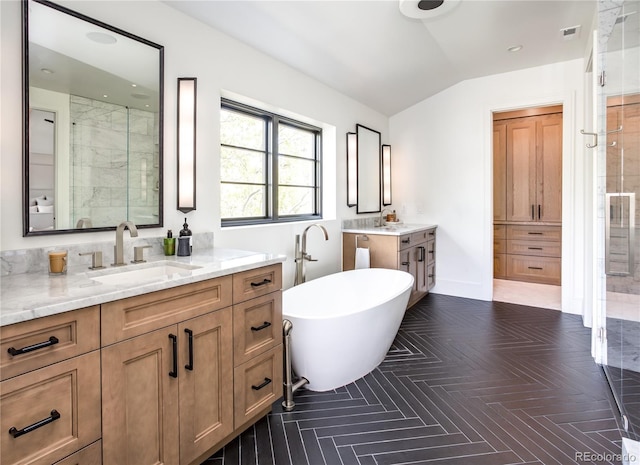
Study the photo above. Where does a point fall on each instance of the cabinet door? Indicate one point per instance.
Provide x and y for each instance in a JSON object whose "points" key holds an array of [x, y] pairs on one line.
{"points": [[549, 169], [140, 400], [408, 263], [521, 170], [499, 171], [206, 382], [422, 283]]}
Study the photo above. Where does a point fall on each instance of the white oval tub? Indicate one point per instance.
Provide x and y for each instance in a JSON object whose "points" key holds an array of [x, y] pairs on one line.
{"points": [[344, 323]]}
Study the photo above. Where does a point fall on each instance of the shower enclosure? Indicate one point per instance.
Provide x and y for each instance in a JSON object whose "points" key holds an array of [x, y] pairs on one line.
{"points": [[617, 322], [114, 164]]}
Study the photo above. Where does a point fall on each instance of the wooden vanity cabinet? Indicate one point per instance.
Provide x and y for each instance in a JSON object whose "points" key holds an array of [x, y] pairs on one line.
{"points": [[50, 389], [195, 376], [414, 253]]}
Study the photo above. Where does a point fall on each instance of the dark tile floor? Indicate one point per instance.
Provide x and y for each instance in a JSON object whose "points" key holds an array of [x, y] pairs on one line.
{"points": [[466, 382]]}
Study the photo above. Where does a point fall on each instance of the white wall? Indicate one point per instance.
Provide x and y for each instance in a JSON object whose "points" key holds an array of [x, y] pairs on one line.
{"points": [[442, 172], [220, 63]]}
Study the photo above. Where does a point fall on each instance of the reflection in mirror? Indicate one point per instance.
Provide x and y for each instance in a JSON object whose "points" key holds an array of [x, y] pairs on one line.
{"points": [[92, 114], [369, 180]]}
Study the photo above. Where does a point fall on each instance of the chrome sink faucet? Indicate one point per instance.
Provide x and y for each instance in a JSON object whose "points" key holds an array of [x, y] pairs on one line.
{"points": [[119, 247], [302, 255]]}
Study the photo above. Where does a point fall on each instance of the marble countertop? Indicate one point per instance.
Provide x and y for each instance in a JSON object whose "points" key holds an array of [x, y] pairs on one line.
{"points": [[27, 296], [394, 230]]}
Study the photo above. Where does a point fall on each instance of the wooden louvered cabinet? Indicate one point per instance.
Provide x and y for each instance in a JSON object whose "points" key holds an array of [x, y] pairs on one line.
{"points": [[527, 171]]}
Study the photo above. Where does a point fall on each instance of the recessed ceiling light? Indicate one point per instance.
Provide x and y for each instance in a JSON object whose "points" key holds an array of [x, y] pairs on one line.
{"points": [[101, 38], [429, 4], [105, 96], [134, 85], [46, 71], [515, 48], [427, 9]]}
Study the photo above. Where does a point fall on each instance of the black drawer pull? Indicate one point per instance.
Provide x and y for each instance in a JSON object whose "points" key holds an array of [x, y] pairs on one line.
{"points": [[40, 345], [266, 382], [266, 324], [406, 241], [174, 346], [535, 248], [13, 431], [431, 276], [405, 263], [189, 366], [432, 233], [264, 282], [535, 268], [535, 233]]}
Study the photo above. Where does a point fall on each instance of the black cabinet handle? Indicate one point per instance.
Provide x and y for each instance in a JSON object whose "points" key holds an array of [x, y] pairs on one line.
{"points": [[539, 211], [534, 248], [405, 263], [174, 342], [15, 432], [535, 268], [266, 324], [264, 282], [263, 384], [406, 241], [532, 233], [40, 345], [189, 366], [432, 233], [421, 256]]}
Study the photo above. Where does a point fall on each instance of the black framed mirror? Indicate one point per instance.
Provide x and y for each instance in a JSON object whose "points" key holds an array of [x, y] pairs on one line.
{"points": [[369, 175], [92, 123]]}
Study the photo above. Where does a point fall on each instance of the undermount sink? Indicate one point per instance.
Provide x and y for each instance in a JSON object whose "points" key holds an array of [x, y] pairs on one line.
{"points": [[147, 272]]}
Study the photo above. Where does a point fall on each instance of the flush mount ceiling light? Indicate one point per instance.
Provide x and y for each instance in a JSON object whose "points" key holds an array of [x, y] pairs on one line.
{"points": [[101, 38], [515, 48], [427, 9]]}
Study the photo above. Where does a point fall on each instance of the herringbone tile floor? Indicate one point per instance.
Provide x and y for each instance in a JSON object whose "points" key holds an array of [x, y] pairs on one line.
{"points": [[466, 382]]}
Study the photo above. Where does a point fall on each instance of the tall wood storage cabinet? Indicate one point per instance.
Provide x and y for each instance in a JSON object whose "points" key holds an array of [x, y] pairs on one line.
{"points": [[527, 169]]}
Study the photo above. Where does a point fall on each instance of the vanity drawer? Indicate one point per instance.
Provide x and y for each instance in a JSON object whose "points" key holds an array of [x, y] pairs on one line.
{"points": [[534, 233], [535, 248], [545, 270], [67, 394], [420, 236], [141, 314], [90, 455], [257, 282], [431, 276], [257, 385], [257, 326], [431, 251], [48, 340], [405, 241]]}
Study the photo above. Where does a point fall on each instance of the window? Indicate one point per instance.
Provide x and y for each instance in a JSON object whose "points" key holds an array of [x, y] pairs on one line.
{"points": [[269, 167]]}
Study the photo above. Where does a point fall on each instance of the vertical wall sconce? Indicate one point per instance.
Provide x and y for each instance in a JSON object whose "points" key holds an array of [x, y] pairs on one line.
{"points": [[352, 169], [386, 174], [186, 144]]}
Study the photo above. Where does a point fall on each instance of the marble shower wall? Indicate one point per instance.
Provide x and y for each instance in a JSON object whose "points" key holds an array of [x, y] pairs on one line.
{"points": [[114, 163]]}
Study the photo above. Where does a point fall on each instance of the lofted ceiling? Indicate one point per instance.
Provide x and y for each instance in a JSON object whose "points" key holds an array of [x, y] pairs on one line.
{"points": [[370, 51]]}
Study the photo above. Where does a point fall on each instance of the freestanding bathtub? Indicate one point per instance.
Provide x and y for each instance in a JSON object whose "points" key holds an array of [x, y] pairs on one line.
{"points": [[344, 323]]}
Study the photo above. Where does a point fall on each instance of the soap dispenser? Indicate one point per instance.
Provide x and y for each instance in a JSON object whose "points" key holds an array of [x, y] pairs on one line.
{"points": [[169, 244], [185, 246]]}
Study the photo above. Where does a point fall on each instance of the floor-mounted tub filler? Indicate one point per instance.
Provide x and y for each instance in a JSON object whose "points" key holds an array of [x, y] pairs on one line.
{"points": [[344, 324]]}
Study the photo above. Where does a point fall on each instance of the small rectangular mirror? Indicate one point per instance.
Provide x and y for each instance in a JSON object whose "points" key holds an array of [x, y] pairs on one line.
{"points": [[92, 123]]}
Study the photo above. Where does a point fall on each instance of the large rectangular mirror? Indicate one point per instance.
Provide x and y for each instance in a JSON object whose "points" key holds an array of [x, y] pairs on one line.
{"points": [[369, 180], [92, 123]]}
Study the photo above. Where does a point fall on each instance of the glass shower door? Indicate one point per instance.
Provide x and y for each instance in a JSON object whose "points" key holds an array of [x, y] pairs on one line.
{"points": [[619, 188]]}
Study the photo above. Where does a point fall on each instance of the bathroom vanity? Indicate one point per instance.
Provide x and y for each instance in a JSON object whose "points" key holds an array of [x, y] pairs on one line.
{"points": [[162, 370], [411, 248]]}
